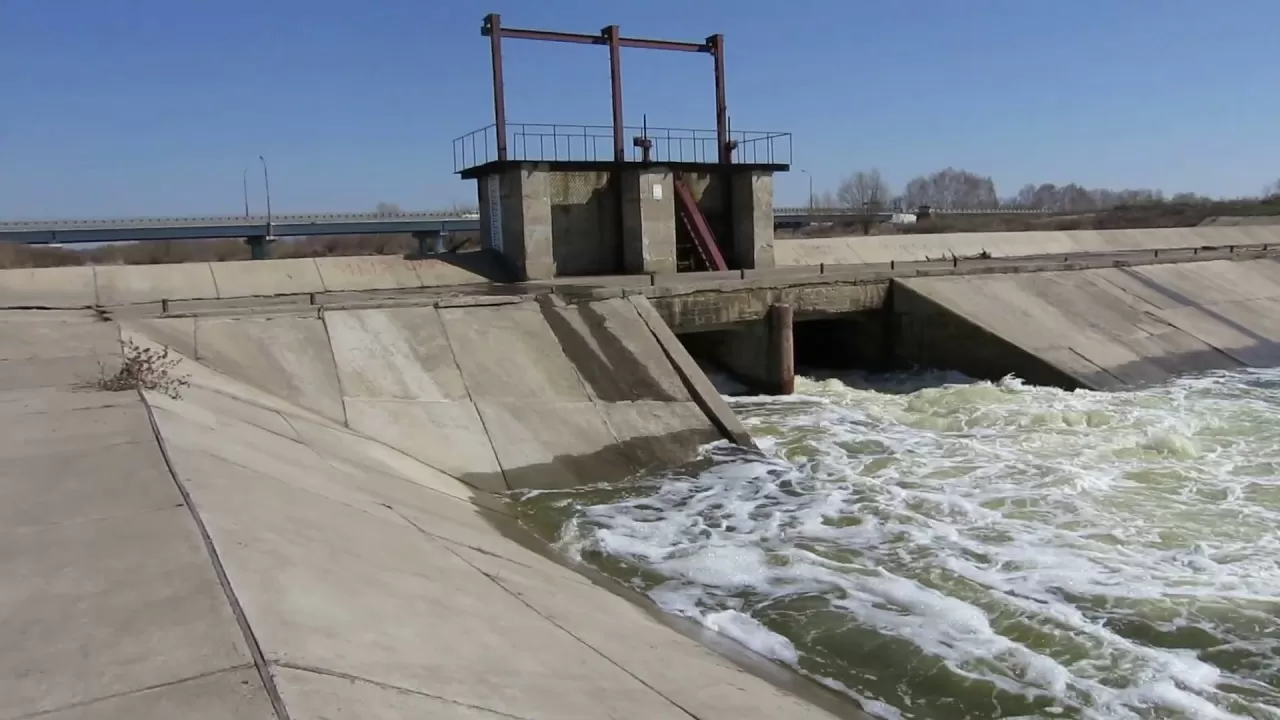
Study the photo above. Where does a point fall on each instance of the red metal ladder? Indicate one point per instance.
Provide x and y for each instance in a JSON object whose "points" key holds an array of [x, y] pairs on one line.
{"points": [[694, 221]]}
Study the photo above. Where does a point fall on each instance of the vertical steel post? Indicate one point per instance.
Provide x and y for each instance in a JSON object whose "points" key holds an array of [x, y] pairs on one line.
{"points": [[716, 43], [612, 34], [493, 23]]}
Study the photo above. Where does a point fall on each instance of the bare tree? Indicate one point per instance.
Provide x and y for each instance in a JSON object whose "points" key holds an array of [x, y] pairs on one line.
{"points": [[952, 189], [863, 189], [386, 208]]}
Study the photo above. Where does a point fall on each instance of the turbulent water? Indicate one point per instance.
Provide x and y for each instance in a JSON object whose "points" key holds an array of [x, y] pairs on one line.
{"points": [[977, 550]]}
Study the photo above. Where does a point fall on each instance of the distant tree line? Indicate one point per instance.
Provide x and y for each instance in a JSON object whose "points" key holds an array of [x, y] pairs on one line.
{"points": [[957, 189]]}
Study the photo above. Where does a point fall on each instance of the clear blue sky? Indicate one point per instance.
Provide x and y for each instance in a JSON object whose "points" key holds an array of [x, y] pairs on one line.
{"points": [[150, 107]]}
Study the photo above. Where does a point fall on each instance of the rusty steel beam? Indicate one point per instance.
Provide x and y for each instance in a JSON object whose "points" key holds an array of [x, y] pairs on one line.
{"points": [[716, 42], [585, 39], [611, 37], [493, 28], [612, 34]]}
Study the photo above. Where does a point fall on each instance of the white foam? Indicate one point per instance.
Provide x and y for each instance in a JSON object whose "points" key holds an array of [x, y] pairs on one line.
{"points": [[1032, 541]]}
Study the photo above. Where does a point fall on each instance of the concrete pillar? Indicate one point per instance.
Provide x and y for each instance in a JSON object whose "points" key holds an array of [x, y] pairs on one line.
{"points": [[430, 242], [782, 349], [648, 220], [752, 221], [515, 220], [259, 246]]}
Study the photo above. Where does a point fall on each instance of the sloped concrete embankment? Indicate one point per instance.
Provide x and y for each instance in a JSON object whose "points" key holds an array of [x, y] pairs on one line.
{"points": [[1100, 329], [324, 460], [914, 248]]}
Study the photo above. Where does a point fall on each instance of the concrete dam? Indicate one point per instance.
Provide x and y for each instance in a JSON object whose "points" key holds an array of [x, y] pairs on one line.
{"points": [[309, 525]]}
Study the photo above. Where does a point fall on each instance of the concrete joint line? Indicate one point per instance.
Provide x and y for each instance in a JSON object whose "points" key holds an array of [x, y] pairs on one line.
{"points": [[540, 614], [394, 688], [127, 693], [444, 331], [255, 649]]}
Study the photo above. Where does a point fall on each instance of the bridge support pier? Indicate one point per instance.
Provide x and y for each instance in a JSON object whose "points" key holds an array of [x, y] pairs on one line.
{"points": [[259, 246], [431, 241]]}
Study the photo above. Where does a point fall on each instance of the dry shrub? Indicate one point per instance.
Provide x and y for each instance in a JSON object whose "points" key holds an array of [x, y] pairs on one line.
{"points": [[147, 368]]}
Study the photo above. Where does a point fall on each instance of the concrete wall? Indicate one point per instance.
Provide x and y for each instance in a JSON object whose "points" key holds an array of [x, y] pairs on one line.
{"points": [[759, 354], [584, 223], [911, 248], [711, 191], [114, 285], [929, 334]]}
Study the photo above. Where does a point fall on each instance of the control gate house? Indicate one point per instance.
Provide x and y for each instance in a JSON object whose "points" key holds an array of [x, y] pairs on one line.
{"points": [[573, 200]]}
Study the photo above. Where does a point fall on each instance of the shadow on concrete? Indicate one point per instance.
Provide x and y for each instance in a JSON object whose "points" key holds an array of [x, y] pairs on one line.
{"points": [[486, 263], [611, 369]]}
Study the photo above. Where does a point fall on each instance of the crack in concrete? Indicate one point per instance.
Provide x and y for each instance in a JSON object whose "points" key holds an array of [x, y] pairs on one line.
{"points": [[138, 691], [325, 672]]}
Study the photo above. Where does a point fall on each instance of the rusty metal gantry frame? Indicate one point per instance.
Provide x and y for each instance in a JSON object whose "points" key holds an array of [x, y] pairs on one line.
{"points": [[610, 36]]}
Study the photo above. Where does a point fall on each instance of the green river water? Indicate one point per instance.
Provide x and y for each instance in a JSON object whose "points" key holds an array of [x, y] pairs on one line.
{"points": [[976, 550]]}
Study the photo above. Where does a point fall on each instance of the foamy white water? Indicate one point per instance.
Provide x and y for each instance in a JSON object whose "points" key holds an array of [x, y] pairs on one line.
{"points": [[978, 550]]}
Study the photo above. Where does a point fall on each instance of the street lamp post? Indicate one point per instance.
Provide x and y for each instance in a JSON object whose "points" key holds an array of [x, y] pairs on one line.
{"points": [[258, 243], [266, 182], [244, 181], [806, 172]]}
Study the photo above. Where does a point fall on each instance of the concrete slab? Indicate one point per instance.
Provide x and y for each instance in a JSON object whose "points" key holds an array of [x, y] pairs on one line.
{"points": [[366, 457], [68, 486], [130, 284], [399, 353], [56, 335], [544, 445], [287, 356], [15, 403], [59, 372], [315, 696], [383, 272], [319, 579], [65, 287], [178, 334], [703, 684], [653, 433], [109, 606], [1131, 326], [508, 352], [448, 436], [228, 695], [248, 278], [85, 430]]}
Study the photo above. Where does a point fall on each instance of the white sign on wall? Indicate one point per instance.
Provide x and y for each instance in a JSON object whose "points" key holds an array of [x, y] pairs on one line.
{"points": [[657, 191], [494, 200]]}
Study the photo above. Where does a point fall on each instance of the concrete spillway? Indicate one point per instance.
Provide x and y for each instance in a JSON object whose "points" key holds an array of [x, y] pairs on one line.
{"points": [[303, 533], [1103, 329]]}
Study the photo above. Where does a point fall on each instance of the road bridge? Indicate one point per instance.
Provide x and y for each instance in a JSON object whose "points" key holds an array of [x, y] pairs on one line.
{"points": [[68, 232]]}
